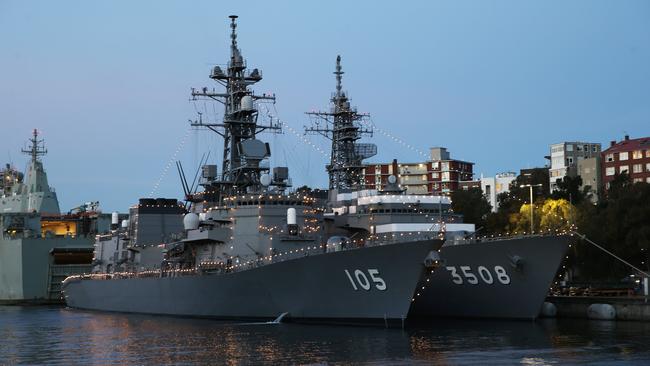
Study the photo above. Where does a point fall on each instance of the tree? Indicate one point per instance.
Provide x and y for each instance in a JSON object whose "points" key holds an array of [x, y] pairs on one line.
{"points": [[557, 215], [621, 224], [472, 205], [509, 218], [569, 189]]}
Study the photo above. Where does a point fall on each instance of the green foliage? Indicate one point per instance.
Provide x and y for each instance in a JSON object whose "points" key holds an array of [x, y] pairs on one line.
{"points": [[621, 224], [472, 205], [568, 189], [509, 217]]}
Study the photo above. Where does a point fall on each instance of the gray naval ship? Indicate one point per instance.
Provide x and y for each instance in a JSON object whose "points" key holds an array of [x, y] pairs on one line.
{"points": [[252, 250], [39, 247], [487, 278]]}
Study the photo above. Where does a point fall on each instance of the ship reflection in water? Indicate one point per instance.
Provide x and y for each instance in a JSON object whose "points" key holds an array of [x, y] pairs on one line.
{"points": [[54, 335]]}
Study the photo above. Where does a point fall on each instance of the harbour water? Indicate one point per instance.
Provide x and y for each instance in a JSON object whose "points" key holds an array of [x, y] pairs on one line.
{"points": [[60, 336]]}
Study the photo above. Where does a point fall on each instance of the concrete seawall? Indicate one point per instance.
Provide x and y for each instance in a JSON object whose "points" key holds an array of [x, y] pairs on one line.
{"points": [[627, 308]]}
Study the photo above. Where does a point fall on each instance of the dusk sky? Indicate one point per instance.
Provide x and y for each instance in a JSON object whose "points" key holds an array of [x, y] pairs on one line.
{"points": [[496, 82]]}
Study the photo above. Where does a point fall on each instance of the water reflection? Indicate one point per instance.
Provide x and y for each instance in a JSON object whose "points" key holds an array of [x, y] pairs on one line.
{"points": [[53, 335]]}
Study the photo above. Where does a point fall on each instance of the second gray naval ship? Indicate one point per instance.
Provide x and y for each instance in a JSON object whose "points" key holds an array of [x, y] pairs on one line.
{"points": [[252, 250], [40, 246], [479, 278]]}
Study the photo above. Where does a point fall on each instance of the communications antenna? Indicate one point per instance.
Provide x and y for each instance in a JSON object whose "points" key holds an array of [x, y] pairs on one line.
{"points": [[343, 126], [242, 152]]}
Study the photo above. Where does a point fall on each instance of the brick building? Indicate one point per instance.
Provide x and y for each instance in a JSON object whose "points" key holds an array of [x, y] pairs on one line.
{"points": [[631, 156], [439, 175]]}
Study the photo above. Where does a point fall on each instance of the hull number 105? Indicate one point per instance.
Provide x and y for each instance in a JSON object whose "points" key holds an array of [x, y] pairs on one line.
{"points": [[360, 280], [464, 274]]}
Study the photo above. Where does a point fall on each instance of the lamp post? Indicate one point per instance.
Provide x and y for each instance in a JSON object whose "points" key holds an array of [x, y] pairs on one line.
{"points": [[531, 202]]}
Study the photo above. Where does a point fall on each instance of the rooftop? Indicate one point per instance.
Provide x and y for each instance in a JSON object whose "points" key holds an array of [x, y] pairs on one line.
{"points": [[628, 144]]}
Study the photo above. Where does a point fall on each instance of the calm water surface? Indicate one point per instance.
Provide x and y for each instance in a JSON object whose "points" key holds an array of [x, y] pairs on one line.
{"points": [[56, 335]]}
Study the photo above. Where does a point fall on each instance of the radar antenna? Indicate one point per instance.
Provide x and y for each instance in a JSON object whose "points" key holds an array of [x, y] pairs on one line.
{"points": [[342, 125], [37, 147], [242, 152]]}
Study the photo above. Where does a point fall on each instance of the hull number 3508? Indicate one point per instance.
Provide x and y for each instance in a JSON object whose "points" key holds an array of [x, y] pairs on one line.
{"points": [[464, 274], [360, 280]]}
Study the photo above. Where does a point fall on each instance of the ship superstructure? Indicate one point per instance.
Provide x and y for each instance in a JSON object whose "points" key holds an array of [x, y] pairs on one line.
{"points": [[39, 246], [32, 194], [253, 250]]}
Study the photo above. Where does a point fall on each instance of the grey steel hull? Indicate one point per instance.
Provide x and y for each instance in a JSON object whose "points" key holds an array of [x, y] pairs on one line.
{"points": [[28, 274], [314, 287], [482, 289]]}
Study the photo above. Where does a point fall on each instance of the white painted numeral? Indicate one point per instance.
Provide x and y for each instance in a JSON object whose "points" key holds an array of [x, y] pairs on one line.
{"points": [[380, 284], [502, 276], [365, 284], [456, 277], [471, 278], [485, 274], [354, 285]]}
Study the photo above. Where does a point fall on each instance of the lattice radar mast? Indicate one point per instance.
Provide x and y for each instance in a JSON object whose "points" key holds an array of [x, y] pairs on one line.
{"points": [[37, 147], [343, 126], [242, 152]]}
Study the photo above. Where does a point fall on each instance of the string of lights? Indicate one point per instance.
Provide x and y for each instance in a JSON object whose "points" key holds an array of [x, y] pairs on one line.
{"points": [[302, 138], [179, 148], [396, 139]]}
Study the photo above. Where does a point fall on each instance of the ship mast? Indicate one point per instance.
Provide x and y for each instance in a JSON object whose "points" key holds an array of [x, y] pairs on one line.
{"points": [[242, 152], [342, 125], [37, 147]]}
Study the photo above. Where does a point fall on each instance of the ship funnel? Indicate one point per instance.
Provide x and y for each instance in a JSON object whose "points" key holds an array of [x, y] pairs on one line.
{"points": [[191, 221]]}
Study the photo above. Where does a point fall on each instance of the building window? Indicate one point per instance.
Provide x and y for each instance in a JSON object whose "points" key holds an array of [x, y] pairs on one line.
{"points": [[593, 148], [637, 168], [569, 161], [637, 180], [609, 157], [647, 180], [435, 175], [569, 147], [647, 167], [647, 153], [623, 156], [623, 169], [610, 171], [637, 154]]}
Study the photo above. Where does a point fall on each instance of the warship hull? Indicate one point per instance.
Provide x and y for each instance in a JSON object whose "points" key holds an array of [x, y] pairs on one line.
{"points": [[506, 279], [372, 284]]}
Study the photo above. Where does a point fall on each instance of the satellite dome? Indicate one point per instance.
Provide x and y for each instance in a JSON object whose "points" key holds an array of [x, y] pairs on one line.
{"points": [[265, 179], [191, 221]]}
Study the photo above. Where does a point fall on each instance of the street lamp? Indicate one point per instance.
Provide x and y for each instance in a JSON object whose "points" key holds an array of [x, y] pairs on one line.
{"points": [[531, 202]]}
